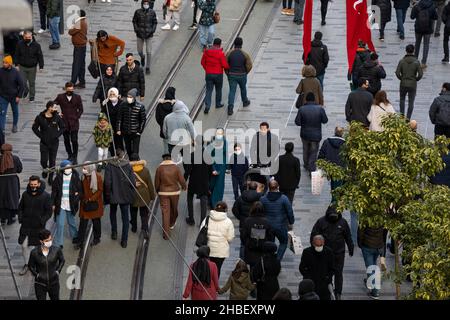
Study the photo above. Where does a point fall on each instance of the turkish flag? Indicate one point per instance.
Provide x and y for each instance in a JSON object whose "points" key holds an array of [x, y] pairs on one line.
{"points": [[307, 29], [357, 28]]}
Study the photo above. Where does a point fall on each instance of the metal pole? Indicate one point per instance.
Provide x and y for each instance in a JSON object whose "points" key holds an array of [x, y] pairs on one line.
{"points": [[58, 168], [9, 263]]}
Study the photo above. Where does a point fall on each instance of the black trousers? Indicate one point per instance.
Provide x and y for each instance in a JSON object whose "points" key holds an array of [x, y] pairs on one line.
{"points": [[96, 226], [203, 205], [79, 65], [7, 214], [441, 131], [41, 291], [48, 156], [323, 9], [218, 262], [446, 38], [118, 143], [132, 143], [339, 260], [71, 143], [290, 194], [42, 4], [144, 213], [194, 19]]}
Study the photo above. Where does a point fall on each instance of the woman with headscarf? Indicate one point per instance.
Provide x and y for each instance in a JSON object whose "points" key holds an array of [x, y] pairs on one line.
{"points": [[266, 272], [106, 82], [217, 149], [91, 203], [164, 108], [205, 284], [9, 184]]}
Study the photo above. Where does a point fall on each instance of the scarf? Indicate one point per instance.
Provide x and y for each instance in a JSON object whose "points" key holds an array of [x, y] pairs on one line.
{"points": [[93, 174], [6, 161]]}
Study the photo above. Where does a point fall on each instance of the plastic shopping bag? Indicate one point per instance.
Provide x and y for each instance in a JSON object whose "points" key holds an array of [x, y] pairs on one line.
{"points": [[317, 182], [295, 243]]}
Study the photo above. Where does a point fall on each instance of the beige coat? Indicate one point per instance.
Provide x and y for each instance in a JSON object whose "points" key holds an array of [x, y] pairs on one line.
{"points": [[376, 114]]}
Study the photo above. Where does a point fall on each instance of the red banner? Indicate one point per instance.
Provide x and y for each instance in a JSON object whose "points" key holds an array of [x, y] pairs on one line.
{"points": [[307, 29], [357, 28]]}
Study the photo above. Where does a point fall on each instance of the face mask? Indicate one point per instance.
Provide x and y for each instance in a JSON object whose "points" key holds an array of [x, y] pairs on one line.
{"points": [[146, 6], [69, 93], [67, 171], [219, 137], [33, 189], [113, 99], [48, 244], [130, 100], [319, 249], [333, 217], [28, 41], [55, 112], [85, 172], [238, 151]]}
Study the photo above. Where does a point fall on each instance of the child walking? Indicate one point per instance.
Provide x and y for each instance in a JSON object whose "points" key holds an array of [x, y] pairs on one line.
{"points": [[102, 137], [239, 282]]}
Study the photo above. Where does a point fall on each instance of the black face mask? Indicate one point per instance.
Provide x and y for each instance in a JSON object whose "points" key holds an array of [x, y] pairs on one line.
{"points": [[28, 41], [33, 189], [333, 217], [55, 112], [69, 93]]}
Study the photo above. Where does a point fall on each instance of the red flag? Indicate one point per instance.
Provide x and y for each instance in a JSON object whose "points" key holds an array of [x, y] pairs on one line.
{"points": [[357, 28], [307, 29]]}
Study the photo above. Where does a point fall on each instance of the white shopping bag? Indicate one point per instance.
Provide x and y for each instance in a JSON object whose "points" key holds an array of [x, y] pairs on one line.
{"points": [[317, 182], [295, 243]]}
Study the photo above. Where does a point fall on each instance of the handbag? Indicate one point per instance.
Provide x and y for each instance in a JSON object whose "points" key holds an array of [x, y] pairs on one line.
{"points": [[93, 69], [89, 206], [295, 243], [216, 17], [202, 237], [299, 101]]}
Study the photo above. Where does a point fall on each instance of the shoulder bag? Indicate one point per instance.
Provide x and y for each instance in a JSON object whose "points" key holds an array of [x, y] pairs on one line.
{"points": [[202, 237]]}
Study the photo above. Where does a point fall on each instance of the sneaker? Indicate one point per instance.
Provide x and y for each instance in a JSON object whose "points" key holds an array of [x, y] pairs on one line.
{"points": [[41, 31], [402, 37], [230, 112], [14, 129], [290, 12], [31, 99], [54, 46], [176, 27], [80, 85], [284, 11], [109, 1], [24, 270], [374, 294], [381, 39], [173, 227], [147, 71], [323, 23], [103, 0], [246, 104], [190, 222], [445, 60], [166, 27], [193, 26]]}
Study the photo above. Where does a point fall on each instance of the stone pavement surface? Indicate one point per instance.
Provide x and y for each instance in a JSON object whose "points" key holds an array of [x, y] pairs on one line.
{"points": [[271, 89]]}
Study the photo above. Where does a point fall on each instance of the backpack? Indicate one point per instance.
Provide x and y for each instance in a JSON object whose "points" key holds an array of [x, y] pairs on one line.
{"points": [[423, 21], [257, 236]]}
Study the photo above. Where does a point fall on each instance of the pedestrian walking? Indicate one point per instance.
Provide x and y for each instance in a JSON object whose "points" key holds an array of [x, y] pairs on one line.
{"points": [[317, 264], [359, 103], [238, 165], [218, 152], [424, 13], [310, 83], [220, 234], [35, 208], [206, 23], [109, 49], [144, 24], [289, 172], [409, 72], [401, 8], [240, 65], [310, 118], [323, 11], [173, 12], [106, 82], [119, 192], [239, 283], [362, 55], [266, 271], [203, 279], [28, 58], [48, 127], [131, 122], [144, 196], [169, 183], [111, 107], [318, 57], [10, 167], [385, 14], [214, 63], [446, 20], [439, 5], [11, 91], [194, 5], [381, 107], [46, 263], [373, 71], [45, 24], [440, 112], [54, 9], [178, 128], [131, 76], [163, 109], [264, 147], [103, 137], [298, 11], [280, 215], [306, 290], [78, 32], [71, 111]]}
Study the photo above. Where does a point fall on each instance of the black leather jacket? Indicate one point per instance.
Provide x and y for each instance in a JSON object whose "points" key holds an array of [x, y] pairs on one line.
{"points": [[46, 270], [131, 118]]}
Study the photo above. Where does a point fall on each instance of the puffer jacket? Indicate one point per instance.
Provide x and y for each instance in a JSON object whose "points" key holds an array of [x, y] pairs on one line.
{"points": [[385, 9], [144, 22], [278, 210], [220, 234], [318, 56], [374, 72], [440, 110], [208, 7], [163, 109], [331, 149], [46, 269], [409, 71], [310, 84], [131, 118], [432, 15], [310, 118], [178, 119], [131, 79], [214, 61]]}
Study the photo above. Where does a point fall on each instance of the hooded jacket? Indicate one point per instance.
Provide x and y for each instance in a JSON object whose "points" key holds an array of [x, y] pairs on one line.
{"points": [[254, 232], [278, 210], [318, 56], [143, 178], [373, 72], [331, 149], [131, 79], [362, 55], [427, 5], [33, 213], [178, 119], [358, 106], [310, 118], [220, 234], [239, 288], [144, 22], [119, 181], [440, 110], [48, 129], [163, 109], [409, 71], [75, 192], [131, 119], [214, 61], [242, 206], [335, 231], [11, 84], [289, 172], [29, 55], [310, 84], [46, 269]]}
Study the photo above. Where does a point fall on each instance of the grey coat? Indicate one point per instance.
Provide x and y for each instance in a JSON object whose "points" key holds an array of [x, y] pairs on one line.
{"points": [[178, 119]]}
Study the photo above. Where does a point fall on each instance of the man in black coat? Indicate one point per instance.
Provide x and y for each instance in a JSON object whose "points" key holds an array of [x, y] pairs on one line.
{"points": [[35, 208], [48, 127], [163, 109], [144, 24], [317, 264], [264, 147], [310, 118], [424, 13], [440, 112], [318, 57], [131, 76], [28, 57], [336, 232], [359, 103], [198, 172], [289, 172], [131, 122], [373, 71]]}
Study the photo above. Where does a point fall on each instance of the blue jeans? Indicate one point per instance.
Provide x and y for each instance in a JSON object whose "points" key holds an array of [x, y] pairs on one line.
{"points": [[298, 10], [60, 223], [234, 81], [401, 16], [370, 256], [282, 236], [213, 81], [206, 34], [54, 29], [354, 227], [4, 110], [124, 210], [320, 78]]}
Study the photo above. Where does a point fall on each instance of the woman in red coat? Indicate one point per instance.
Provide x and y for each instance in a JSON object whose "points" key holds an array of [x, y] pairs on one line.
{"points": [[206, 272]]}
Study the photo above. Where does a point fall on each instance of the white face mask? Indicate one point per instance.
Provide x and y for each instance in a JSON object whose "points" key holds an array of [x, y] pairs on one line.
{"points": [[130, 100], [319, 249], [113, 99], [146, 6], [48, 244], [238, 151], [85, 172], [67, 171], [219, 137]]}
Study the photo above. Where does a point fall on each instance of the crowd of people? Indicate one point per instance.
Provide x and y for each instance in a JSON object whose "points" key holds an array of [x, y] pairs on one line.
{"points": [[263, 205]]}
